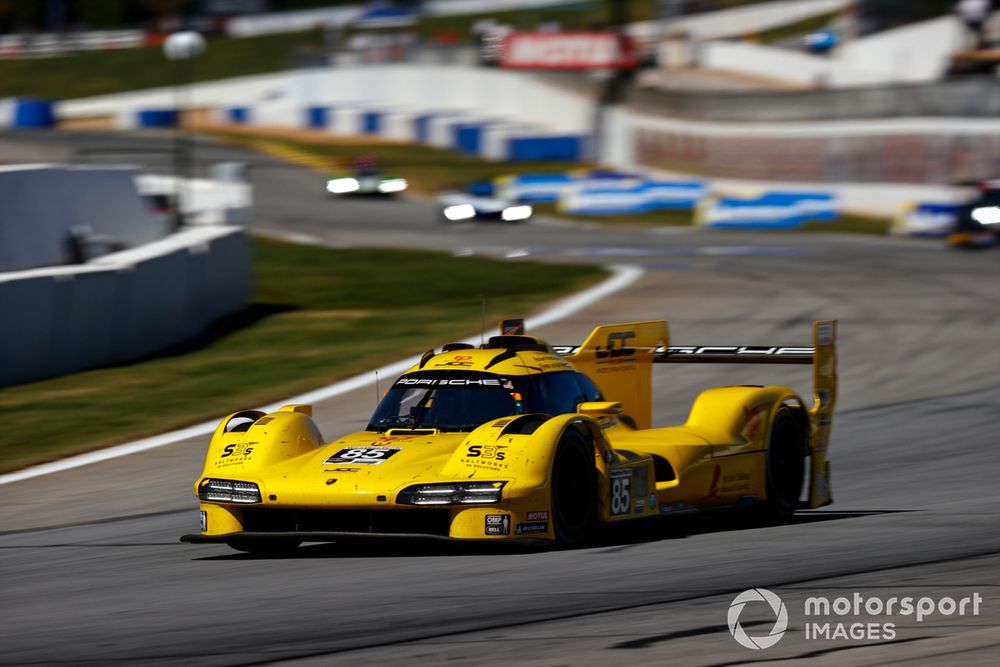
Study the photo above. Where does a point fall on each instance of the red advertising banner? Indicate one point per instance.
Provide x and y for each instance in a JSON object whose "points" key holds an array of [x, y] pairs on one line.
{"points": [[568, 50]]}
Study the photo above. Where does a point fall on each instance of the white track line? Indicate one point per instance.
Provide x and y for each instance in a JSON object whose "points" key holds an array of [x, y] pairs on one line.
{"points": [[622, 276]]}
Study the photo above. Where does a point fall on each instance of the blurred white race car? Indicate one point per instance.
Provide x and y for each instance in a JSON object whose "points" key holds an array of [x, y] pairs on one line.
{"points": [[461, 207]]}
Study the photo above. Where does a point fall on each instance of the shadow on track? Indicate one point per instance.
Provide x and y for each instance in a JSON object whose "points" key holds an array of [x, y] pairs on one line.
{"points": [[656, 529], [620, 537]]}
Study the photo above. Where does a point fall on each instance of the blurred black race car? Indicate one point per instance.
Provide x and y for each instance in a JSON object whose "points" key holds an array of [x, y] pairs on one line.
{"points": [[977, 223], [461, 206]]}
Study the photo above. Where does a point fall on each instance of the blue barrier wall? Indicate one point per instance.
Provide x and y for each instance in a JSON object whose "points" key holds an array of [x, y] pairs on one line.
{"points": [[772, 210], [239, 115], [534, 187], [317, 116], [601, 196], [31, 113], [568, 148], [157, 118], [467, 137], [371, 122]]}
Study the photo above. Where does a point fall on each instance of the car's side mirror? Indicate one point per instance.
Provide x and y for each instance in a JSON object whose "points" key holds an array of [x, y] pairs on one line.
{"points": [[600, 408]]}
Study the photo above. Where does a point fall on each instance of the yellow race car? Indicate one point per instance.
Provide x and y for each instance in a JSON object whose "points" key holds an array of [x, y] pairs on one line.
{"points": [[520, 440]]}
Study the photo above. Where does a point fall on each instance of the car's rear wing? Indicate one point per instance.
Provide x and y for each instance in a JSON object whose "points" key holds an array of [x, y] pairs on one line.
{"points": [[719, 354], [618, 357]]}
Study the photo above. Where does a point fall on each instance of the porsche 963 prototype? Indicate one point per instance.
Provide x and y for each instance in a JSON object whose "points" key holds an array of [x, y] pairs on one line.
{"points": [[520, 440]]}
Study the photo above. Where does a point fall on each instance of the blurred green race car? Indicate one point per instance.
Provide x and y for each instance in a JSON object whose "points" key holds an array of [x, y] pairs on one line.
{"points": [[366, 179]]}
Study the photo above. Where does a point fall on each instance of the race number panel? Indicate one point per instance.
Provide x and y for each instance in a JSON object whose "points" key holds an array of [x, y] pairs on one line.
{"points": [[621, 492], [362, 455]]}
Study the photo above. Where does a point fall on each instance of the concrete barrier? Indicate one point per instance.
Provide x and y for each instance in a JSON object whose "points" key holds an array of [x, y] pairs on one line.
{"points": [[41, 205], [476, 91], [738, 21], [564, 148], [26, 113], [969, 97], [122, 306], [156, 118], [317, 117], [889, 150], [919, 52]]}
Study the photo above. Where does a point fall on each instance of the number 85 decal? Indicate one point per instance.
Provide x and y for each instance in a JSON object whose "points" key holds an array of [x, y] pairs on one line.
{"points": [[621, 492]]}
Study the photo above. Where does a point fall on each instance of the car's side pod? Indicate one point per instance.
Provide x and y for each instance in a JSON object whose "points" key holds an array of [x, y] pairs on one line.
{"points": [[618, 357]]}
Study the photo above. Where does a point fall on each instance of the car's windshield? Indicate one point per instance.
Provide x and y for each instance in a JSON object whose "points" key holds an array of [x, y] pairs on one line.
{"points": [[448, 402], [454, 401]]}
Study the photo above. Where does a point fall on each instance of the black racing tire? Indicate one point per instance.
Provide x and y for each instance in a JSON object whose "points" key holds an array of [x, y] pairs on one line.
{"points": [[786, 462], [264, 547], [574, 489]]}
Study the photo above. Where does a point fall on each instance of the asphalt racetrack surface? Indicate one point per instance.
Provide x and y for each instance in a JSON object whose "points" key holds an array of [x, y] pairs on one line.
{"points": [[92, 573]]}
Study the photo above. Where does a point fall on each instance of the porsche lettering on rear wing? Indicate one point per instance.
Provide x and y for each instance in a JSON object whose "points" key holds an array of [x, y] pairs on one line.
{"points": [[712, 354]]}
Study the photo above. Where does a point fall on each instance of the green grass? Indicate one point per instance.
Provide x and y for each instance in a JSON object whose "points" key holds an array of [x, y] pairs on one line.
{"points": [[852, 224], [318, 315], [100, 72]]}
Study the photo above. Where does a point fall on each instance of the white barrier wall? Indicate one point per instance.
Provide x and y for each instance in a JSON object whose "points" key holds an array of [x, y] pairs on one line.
{"points": [[738, 21], [203, 201], [476, 90], [785, 66], [911, 54], [40, 204], [122, 306]]}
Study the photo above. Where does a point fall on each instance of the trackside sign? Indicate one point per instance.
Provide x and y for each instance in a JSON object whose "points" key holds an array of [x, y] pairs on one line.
{"points": [[568, 50]]}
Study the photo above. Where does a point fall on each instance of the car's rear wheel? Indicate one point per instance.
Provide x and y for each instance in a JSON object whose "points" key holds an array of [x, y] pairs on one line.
{"points": [[264, 547], [574, 485], [786, 462]]}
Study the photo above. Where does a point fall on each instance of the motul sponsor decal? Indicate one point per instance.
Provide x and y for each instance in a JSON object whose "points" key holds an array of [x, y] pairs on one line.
{"points": [[568, 50]]}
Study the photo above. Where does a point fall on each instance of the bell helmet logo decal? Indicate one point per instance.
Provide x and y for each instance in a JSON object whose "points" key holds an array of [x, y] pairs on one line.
{"points": [[780, 623]]}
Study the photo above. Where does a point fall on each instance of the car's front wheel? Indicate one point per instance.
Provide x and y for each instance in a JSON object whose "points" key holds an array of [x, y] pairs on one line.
{"points": [[574, 489]]}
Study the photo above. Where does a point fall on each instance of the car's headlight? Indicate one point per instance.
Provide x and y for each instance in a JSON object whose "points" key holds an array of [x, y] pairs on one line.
{"points": [[455, 493], [228, 491], [987, 215], [460, 212], [339, 186], [392, 185], [513, 213]]}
